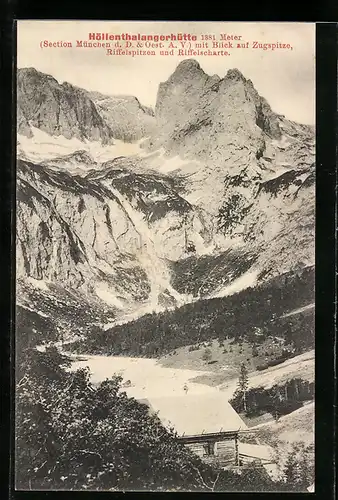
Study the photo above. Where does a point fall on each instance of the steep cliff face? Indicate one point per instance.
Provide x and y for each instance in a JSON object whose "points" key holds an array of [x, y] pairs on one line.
{"points": [[110, 233], [23, 126], [66, 235], [57, 109], [280, 223], [155, 202], [240, 151], [227, 128], [70, 111]]}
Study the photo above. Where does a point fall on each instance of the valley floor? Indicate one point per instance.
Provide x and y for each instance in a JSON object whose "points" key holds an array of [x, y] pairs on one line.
{"points": [[148, 378]]}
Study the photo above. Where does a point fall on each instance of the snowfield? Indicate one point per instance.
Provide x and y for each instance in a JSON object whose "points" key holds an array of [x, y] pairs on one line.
{"points": [[248, 279], [146, 376], [149, 378], [43, 146]]}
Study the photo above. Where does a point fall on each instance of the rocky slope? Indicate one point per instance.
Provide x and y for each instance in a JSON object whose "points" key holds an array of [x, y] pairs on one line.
{"points": [[110, 234], [198, 114], [222, 187], [125, 115]]}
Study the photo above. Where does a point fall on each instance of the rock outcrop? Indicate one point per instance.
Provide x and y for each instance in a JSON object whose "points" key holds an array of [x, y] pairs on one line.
{"points": [[70, 111], [251, 166], [58, 109], [204, 116], [128, 120]]}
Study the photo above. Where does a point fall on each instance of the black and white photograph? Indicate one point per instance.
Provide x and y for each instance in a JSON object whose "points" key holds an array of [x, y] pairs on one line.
{"points": [[165, 256]]}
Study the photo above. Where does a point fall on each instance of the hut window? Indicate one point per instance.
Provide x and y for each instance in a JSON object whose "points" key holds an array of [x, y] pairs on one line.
{"points": [[209, 448]]}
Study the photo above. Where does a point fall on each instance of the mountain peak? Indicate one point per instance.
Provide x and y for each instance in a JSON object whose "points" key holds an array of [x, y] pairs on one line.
{"points": [[32, 74], [188, 63], [235, 74], [187, 68], [28, 70]]}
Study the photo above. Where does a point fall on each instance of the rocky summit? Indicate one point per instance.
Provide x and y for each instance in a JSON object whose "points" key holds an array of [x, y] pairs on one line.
{"points": [[211, 186]]}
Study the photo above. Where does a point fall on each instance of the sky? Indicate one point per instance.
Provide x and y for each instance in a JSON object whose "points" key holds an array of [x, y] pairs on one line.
{"points": [[286, 78]]}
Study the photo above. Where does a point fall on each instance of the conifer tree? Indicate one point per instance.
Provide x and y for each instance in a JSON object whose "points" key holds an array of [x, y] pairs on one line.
{"points": [[243, 384]]}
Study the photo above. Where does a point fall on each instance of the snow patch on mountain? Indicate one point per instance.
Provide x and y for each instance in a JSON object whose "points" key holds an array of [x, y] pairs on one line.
{"points": [[248, 279], [41, 284], [41, 147], [107, 296]]}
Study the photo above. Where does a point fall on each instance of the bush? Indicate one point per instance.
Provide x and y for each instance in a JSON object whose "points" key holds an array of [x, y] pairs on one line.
{"points": [[273, 362], [207, 355]]}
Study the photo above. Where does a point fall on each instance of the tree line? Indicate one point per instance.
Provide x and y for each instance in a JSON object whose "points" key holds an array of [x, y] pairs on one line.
{"points": [[278, 400], [237, 316]]}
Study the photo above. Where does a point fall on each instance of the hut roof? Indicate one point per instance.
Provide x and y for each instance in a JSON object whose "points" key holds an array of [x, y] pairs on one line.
{"points": [[194, 414]]}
